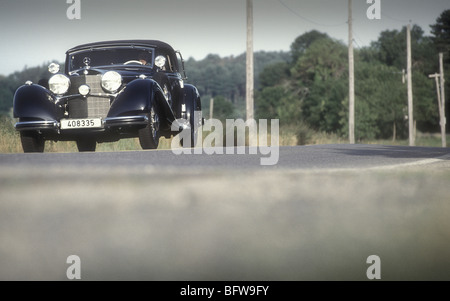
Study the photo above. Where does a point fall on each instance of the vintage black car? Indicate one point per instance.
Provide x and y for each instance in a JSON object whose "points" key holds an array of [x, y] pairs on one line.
{"points": [[108, 91]]}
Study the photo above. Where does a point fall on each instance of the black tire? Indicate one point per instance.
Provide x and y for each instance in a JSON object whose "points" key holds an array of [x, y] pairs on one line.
{"points": [[32, 142], [149, 135], [86, 145]]}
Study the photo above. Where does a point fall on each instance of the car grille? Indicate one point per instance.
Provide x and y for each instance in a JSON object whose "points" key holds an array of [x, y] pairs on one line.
{"points": [[90, 106]]}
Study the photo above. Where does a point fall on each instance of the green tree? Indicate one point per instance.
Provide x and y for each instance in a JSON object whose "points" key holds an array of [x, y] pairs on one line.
{"points": [[275, 74], [322, 72], [441, 32], [216, 76], [223, 109], [323, 105], [380, 102], [9, 84], [426, 112], [391, 49], [441, 39], [325, 58], [278, 103], [302, 43]]}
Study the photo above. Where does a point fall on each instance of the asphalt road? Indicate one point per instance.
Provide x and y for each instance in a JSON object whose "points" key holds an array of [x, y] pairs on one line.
{"points": [[298, 158], [317, 214]]}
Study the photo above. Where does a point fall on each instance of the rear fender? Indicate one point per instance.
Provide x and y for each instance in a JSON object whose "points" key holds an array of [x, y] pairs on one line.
{"points": [[192, 104], [191, 98]]}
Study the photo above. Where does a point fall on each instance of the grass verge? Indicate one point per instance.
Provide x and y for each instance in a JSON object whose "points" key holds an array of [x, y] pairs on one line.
{"points": [[289, 136]]}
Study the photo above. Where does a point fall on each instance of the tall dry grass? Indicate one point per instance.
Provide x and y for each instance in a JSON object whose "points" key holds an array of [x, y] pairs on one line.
{"points": [[10, 142], [291, 135], [9, 138]]}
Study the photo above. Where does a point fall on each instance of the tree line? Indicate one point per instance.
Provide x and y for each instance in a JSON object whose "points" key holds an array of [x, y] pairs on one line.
{"points": [[215, 77], [312, 88], [308, 85], [10, 83]]}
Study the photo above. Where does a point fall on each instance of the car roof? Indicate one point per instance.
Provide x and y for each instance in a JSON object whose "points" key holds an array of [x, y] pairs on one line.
{"points": [[146, 43]]}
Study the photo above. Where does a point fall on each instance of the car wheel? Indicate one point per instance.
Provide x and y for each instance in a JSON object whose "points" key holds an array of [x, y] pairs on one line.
{"points": [[32, 142], [149, 135], [86, 145]]}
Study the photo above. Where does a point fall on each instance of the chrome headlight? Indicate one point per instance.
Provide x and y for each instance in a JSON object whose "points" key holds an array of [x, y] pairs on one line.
{"points": [[160, 61], [59, 84], [111, 81], [53, 68]]}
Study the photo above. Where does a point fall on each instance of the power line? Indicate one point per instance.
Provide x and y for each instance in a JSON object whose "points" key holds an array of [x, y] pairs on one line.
{"points": [[395, 19], [358, 37], [309, 20], [356, 43]]}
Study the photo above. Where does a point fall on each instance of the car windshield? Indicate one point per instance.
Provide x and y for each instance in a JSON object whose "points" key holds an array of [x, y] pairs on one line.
{"points": [[102, 57]]}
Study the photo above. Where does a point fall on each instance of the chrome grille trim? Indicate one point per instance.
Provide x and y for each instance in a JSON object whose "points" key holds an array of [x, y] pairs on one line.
{"points": [[95, 105], [94, 83]]}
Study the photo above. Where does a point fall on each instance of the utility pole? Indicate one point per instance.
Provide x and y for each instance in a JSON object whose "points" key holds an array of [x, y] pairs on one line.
{"points": [[351, 66], [443, 118], [249, 81], [211, 108], [440, 91], [412, 137], [436, 76]]}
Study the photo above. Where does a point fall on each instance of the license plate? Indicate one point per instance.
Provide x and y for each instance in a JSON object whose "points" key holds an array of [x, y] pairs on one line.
{"points": [[67, 124]]}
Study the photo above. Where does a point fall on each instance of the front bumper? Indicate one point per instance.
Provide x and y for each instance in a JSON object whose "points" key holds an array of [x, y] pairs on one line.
{"points": [[37, 125], [109, 122]]}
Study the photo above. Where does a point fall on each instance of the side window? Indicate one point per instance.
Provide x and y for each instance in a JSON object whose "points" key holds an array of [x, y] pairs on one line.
{"points": [[169, 65], [180, 59]]}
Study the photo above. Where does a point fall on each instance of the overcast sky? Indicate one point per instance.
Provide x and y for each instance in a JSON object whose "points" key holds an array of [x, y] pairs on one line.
{"points": [[36, 31]]}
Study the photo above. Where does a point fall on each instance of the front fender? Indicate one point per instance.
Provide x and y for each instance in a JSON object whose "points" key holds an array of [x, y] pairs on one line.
{"points": [[34, 102], [138, 97]]}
